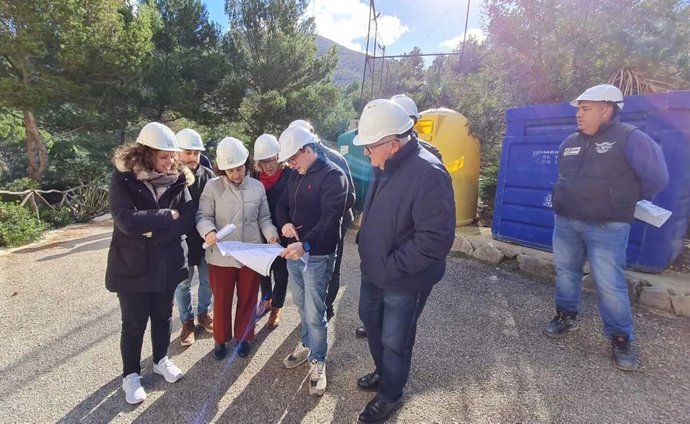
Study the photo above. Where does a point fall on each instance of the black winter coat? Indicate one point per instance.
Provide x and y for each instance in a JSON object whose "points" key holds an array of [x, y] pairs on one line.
{"points": [[408, 222], [338, 159], [141, 264], [194, 240], [314, 203]]}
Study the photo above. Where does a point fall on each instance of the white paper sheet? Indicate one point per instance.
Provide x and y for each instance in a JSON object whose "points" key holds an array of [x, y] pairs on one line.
{"points": [[651, 214], [224, 232], [257, 256]]}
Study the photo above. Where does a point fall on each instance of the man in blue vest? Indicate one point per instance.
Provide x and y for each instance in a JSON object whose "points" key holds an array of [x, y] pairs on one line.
{"points": [[604, 169]]}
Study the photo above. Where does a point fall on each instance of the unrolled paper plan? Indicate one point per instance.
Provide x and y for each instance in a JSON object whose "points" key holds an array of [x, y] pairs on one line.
{"points": [[257, 256]]}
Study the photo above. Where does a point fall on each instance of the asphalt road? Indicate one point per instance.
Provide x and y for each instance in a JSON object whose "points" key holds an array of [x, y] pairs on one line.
{"points": [[479, 357]]}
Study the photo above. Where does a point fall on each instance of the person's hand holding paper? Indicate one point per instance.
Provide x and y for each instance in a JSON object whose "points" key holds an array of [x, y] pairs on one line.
{"points": [[213, 237]]}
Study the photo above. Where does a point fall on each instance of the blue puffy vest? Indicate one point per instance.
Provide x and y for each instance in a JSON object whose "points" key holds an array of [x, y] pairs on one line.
{"points": [[595, 181]]}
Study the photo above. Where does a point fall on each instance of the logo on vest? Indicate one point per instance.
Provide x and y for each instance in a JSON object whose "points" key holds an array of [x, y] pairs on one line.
{"points": [[571, 151], [604, 147]]}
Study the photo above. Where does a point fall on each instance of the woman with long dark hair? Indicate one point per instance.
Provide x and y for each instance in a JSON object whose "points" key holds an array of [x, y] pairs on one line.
{"points": [[152, 210]]}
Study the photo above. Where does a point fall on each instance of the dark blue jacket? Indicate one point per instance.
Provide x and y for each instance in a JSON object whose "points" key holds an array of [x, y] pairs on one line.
{"points": [[314, 203], [194, 240], [338, 159], [601, 177], [141, 264], [408, 222]]}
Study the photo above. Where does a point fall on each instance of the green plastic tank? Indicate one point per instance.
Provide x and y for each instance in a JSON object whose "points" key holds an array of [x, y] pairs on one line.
{"points": [[359, 165]]}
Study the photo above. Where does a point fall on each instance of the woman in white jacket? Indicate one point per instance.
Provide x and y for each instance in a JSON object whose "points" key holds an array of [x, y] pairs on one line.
{"points": [[235, 198]]}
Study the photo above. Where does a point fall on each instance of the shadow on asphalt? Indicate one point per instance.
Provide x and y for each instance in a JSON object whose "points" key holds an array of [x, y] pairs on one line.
{"points": [[100, 407], [67, 244], [276, 394], [204, 385], [90, 247], [42, 359]]}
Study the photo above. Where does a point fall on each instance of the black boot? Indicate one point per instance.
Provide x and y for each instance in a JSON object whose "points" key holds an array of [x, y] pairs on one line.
{"points": [[564, 322], [369, 381], [378, 410], [623, 353], [361, 332], [243, 349], [219, 351]]}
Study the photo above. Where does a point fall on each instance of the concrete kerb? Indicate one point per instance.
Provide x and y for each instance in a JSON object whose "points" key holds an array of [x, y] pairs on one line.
{"points": [[668, 292]]}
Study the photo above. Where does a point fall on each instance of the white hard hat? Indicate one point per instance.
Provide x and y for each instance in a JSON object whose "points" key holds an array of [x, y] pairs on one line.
{"points": [[188, 139], [231, 153], [159, 137], [302, 124], [601, 93], [380, 118], [266, 146], [406, 103], [293, 139]]}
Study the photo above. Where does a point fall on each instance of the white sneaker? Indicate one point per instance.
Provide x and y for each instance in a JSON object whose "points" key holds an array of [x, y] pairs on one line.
{"points": [[317, 380], [168, 370], [131, 385], [297, 357]]}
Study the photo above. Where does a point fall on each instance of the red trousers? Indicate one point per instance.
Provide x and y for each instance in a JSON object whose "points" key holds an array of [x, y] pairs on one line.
{"points": [[223, 282]]}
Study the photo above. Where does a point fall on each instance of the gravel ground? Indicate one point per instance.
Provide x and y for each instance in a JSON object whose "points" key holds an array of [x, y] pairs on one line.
{"points": [[479, 355]]}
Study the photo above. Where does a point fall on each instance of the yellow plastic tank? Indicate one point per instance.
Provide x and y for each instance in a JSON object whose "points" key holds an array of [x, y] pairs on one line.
{"points": [[449, 132]]}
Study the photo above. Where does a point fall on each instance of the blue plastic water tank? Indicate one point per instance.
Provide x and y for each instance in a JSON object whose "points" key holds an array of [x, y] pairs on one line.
{"points": [[529, 168]]}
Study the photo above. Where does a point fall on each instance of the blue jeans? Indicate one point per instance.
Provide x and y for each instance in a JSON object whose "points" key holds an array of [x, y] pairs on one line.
{"points": [[183, 295], [309, 289], [604, 243], [391, 322]]}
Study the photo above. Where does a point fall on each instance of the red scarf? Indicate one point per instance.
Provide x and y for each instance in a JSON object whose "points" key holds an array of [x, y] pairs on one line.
{"points": [[270, 181]]}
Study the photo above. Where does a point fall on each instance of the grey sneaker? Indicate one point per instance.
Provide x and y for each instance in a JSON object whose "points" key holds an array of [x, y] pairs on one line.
{"points": [[561, 324], [297, 357], [317, 380], [623, 353]]}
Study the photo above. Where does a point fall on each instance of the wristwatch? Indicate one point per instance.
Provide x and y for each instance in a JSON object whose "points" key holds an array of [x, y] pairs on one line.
{"points": [[306, 246]]}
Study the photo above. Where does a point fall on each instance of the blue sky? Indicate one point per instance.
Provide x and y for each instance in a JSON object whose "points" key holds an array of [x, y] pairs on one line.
{"points": [[433, 25]]}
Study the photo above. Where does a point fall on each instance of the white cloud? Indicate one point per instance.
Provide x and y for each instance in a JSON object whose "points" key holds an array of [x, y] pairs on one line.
{"points": [[454, 42], [345, 22]]}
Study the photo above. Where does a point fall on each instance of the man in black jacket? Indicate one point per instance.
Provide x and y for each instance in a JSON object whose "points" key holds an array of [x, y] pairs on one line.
{"points": [[191, 144], [407, 230], [310, 212], [348, 216]]}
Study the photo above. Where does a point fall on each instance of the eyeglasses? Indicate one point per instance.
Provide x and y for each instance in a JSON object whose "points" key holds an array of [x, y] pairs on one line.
{"points": [[375, 146], [293, 158]]}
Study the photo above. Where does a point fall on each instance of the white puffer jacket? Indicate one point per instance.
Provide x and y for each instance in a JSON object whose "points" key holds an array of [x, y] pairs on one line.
{"points": [[245, 205]]}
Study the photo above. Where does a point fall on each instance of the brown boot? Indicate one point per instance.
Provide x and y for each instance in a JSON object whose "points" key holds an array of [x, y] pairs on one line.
{"points": [[274, 318], [206, 321], [187, 333]]}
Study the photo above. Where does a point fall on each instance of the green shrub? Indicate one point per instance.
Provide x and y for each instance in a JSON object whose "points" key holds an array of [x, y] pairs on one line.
{"points": [[18, 225], [56, 218], [488, 181]]}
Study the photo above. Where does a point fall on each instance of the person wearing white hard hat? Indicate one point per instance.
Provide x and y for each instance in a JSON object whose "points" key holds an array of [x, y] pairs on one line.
{"points": [[152, 211], [406, 232], [309, 214], [233, 198], [273, 175], [410, 107], [604, 169], [189, 141], [348, 215]]}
